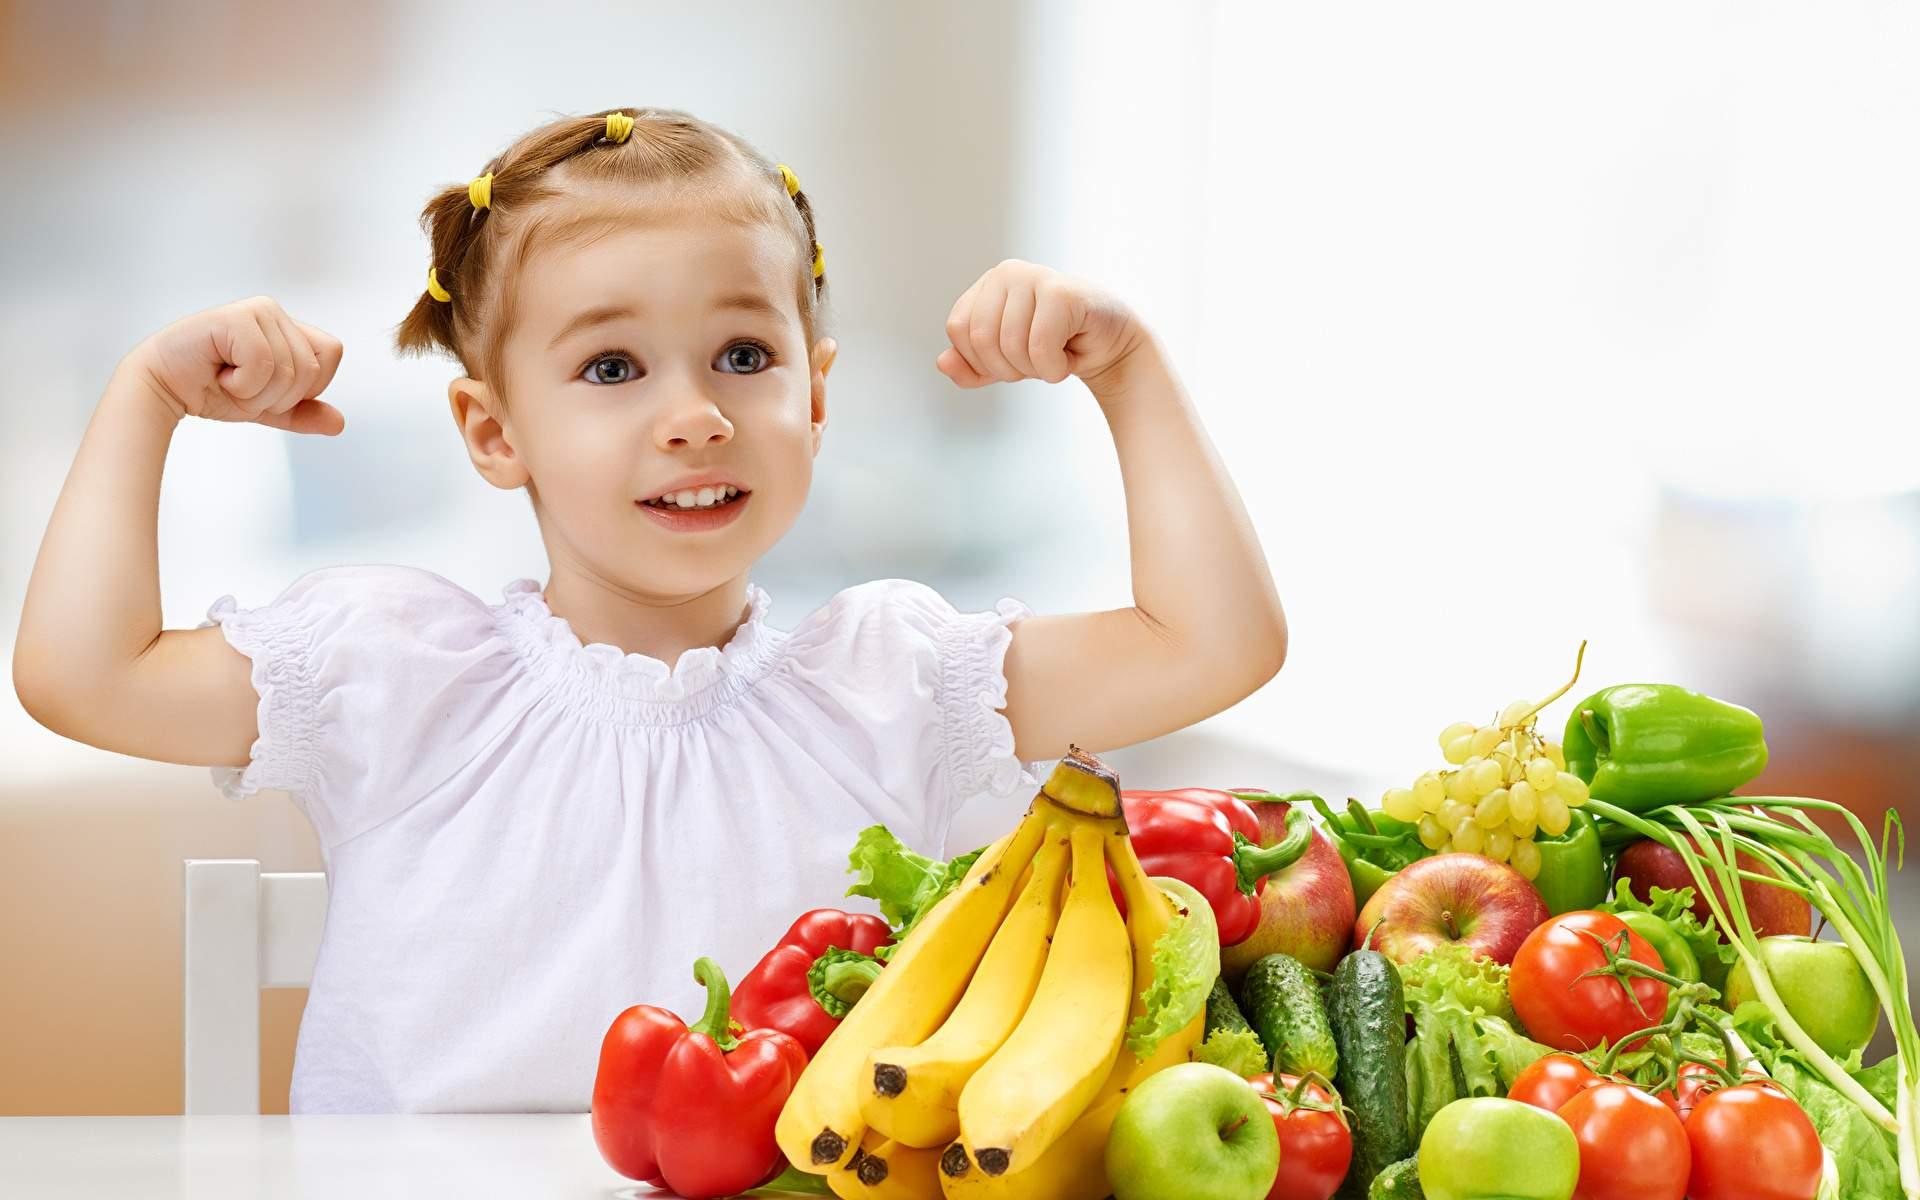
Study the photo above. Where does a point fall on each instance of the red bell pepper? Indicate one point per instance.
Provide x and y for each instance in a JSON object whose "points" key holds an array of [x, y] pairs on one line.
{"points": [[692, 1108], [808, 981], [1210, 839]]}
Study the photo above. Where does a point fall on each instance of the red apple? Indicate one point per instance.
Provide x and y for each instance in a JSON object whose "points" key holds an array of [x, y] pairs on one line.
{"points": [[1451, 898], [1306, 910], [1648, 864]]}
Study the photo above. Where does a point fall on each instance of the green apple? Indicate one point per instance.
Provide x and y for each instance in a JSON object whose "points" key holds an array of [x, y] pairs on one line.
{"points": [[1193, 1132], [1821, 984], [1490, 1149]]}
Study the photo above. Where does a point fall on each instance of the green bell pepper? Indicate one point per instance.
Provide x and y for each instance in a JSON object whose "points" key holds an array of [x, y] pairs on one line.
{"points": [[1573, 871], [1678, 957], [1372, 844], [1644, 745]]}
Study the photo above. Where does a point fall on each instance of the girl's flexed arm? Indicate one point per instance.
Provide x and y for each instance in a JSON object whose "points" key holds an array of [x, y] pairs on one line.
{"points": [[91, 661], [1206, 628]]}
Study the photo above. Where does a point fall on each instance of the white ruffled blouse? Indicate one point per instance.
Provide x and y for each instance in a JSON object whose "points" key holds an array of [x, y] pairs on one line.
{"points": [[524, 835]]}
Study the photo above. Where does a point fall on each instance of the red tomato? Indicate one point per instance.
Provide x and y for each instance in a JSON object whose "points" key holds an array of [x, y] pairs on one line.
{"points": [[1567, 1012], [1632, 1147], [1315, 1147], [1695, 1081], [1685, 1093], [1552, 1081], [1752, 1142]]}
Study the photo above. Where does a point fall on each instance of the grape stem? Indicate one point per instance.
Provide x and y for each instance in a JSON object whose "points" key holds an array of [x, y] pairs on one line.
{"points": [[1564, 688]]}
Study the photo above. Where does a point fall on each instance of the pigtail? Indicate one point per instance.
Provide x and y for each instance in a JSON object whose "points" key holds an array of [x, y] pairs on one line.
{"points": [[813, 239], [452, 220]]}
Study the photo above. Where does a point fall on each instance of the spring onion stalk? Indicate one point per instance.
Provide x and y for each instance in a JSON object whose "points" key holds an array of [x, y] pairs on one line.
{"points": [[1806, 862]]}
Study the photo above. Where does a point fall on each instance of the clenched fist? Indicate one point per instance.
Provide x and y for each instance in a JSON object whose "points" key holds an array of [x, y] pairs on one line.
{"points": [[245, 361], [1022, 321]]}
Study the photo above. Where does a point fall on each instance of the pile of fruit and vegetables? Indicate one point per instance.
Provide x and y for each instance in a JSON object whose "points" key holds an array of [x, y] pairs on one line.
{"points": [[1544, 970]]}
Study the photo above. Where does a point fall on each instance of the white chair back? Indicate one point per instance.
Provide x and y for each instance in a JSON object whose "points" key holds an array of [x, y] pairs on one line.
{"points": [[244, 930]]}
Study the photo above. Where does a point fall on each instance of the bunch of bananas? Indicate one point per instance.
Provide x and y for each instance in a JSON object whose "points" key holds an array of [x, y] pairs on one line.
{"points": [[989, 1058]]}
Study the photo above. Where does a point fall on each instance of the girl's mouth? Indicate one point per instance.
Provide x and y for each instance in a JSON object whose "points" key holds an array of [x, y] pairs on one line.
{"points": [[695, 519]]}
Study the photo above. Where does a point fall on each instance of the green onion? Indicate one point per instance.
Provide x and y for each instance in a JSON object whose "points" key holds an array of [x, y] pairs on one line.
{"points": [[1808, 863]]}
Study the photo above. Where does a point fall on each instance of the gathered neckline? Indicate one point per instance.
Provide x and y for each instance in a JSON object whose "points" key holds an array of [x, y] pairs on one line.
{"points": [[632, 687]]}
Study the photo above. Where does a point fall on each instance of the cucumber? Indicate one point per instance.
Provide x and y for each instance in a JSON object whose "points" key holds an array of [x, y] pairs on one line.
{"points": [[1369, 1018], [1283, 1005], [1223, 1012], [1400, 1181]]}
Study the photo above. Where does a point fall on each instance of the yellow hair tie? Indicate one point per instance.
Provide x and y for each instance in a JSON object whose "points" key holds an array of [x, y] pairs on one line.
{"points": [[433, 287], [619, 125], [793, 181], [480, 191], [819, 261]]}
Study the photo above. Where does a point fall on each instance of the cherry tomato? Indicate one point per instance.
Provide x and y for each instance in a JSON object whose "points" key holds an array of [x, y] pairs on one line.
{"points": [[1752, 1142], [1552, 1081], [1632, 1147], [1315, 1146], [1695, 1081], [1685, 1093], [1567, 1012]]}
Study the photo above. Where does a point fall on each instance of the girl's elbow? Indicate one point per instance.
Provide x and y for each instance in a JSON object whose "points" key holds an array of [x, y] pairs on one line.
{"points": [[1248, 672], [1276, 649]]}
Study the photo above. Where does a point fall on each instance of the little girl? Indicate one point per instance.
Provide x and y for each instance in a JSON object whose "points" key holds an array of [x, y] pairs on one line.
{"points": [[537, 812]]}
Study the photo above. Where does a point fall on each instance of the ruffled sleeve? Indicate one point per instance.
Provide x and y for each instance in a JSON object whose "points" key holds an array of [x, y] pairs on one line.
{"points": [[357, 668], [933, 683]]}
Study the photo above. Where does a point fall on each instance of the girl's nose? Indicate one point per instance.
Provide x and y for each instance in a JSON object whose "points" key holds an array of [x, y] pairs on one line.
{"points": [[694, 420]]}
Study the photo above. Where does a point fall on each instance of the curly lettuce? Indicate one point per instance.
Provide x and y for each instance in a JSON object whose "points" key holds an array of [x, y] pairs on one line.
{"points": [[1454, 969], [1238, 1050], [1186, 961], [906, 884], [1466, 1041]]}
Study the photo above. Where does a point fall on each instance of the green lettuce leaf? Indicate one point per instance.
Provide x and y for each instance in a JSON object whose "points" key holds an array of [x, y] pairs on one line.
{"points": [[1882, 1081], [884, 869], [1675, 907], [1513, 1051], [1238, 1050], [1186, 960], [1459, 1051], [905, 883], [1452, 968]]}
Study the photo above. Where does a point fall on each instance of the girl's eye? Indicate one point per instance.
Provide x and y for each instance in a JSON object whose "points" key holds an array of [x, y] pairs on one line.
{"points": [[748, 358], [597, 368]]}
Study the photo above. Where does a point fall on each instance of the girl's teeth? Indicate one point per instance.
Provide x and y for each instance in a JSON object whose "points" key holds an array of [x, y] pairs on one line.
{"points": [[706, 497]]}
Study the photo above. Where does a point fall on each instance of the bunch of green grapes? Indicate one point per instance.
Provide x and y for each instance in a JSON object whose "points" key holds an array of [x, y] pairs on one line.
{"points": [[1508, 783]]}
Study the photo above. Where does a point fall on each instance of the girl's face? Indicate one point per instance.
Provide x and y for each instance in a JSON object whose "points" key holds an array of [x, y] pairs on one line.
{"points": [[665, 353]]}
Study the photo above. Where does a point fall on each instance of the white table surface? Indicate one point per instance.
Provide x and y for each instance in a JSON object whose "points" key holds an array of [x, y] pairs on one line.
{"points": [[419, 1156]]}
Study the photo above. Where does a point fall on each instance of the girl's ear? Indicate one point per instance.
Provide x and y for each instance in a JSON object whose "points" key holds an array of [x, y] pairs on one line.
{"points": [[474, 414], [824, 352]]}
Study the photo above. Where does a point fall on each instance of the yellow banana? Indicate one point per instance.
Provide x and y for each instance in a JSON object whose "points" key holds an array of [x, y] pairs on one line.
{"points": [[1074, 1167], [820, 1125], [1042, 1078], [912, 1092], [883, 1169]]}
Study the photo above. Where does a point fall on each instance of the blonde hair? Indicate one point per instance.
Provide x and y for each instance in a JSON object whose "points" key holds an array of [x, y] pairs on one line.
{"points": [[567, 183]]}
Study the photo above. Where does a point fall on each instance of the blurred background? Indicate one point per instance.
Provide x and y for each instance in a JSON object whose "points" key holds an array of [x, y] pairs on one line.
{"points": [[1516, 325]]}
